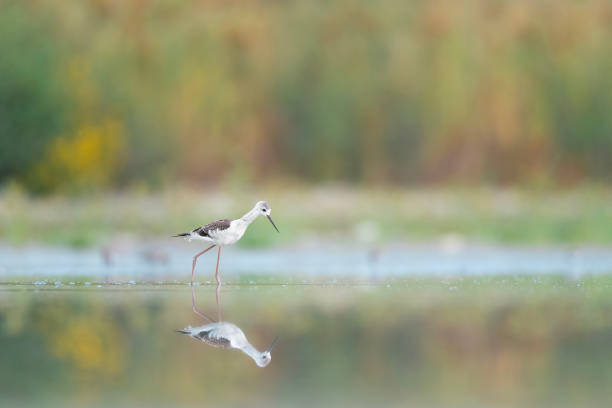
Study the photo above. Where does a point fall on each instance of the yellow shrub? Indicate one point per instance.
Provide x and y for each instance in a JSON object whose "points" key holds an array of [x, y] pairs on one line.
{"points": [[89, 158]]}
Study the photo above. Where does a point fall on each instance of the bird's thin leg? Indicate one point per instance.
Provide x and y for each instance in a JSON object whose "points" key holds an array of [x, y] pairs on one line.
{"points": [[195, 309], [218, 303], [217, 273], [195, 258]]}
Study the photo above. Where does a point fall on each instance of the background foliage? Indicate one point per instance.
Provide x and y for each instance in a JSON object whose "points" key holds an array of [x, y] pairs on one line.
{"points": [[385, 92]]}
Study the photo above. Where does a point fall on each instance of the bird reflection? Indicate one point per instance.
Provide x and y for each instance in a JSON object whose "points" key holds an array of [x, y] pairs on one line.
{"points": [[226, 335]]}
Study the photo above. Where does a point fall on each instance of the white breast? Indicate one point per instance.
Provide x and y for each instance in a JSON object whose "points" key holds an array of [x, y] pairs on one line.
{"points": [[221, 331], [231, 235]]}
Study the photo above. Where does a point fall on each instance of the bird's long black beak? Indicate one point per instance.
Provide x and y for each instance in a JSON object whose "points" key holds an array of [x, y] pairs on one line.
{"points": [[274, 225], [272, 345]]}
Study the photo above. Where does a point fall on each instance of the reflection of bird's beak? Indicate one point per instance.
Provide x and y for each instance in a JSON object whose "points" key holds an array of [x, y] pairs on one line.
{"points": [[274, 225], [272, 345]]}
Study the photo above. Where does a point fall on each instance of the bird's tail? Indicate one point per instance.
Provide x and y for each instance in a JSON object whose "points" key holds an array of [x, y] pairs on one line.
{"points": [[183, 234], [183, 331]]}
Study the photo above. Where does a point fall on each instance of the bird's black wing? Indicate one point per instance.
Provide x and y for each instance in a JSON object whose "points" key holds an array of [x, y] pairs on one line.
{"points": [[213, 341], [213, 226]]}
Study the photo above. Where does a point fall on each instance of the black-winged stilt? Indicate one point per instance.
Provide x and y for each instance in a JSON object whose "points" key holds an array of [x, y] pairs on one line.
{"points": [[225, 232], [226, 335]]}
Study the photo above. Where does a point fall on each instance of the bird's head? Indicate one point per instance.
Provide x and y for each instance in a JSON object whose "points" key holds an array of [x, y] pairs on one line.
{"points": [[263, 208], [264, 359], [266, 356]]}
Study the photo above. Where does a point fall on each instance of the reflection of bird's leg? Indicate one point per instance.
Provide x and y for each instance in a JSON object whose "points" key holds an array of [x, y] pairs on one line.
{"points": [[195, 258], [217, 273], [218, 304], [195, 309]]}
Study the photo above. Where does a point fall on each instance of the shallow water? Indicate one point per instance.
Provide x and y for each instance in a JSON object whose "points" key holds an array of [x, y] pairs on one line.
{"points": [[159, 261], [479, 341]]}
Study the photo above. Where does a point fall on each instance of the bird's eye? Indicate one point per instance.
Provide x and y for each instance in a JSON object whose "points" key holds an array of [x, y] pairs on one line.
{"points": [[264, 210]]}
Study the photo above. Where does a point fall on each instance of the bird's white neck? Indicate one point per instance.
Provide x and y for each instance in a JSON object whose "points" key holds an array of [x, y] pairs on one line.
{"points": [[251, 352], [250, 216]]}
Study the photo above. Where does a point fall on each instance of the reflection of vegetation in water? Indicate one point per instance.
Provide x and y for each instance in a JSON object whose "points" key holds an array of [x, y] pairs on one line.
{"points": [[88, 341], [501, 340]]}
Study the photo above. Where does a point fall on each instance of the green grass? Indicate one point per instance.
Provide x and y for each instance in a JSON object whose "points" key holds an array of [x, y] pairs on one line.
{"points": [[348, 216]]}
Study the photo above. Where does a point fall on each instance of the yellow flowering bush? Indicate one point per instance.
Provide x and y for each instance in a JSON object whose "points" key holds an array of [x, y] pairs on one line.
{"points": [[88, 158]]}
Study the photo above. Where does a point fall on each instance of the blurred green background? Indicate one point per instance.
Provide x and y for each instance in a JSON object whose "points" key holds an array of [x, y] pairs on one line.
{"points": [[107, 94], [487, 119], [370, 127]]}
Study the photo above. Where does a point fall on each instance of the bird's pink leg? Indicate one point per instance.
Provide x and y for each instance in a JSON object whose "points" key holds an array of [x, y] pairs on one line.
{"points": [[217, 273], [195, 258], [195, 309], [218, 304]]}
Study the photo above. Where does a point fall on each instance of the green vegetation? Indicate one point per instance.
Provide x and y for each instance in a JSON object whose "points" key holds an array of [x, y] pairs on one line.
{"points": [[350, 216], [33, 101], [100, 94]]}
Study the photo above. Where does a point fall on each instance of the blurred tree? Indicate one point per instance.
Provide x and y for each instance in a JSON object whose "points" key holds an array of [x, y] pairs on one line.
{"points": [[33, 104], [512, 91]]}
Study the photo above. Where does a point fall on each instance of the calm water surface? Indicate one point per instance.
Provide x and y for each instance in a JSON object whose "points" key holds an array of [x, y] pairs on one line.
{"points": [[478, 341]]}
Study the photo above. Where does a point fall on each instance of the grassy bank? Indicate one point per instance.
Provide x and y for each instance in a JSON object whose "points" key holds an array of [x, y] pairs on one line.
{"points": [[349, 216]]}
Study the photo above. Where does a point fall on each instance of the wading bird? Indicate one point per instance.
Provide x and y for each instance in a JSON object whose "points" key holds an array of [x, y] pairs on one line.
{"points": [[227, 335], [225, 232]]}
